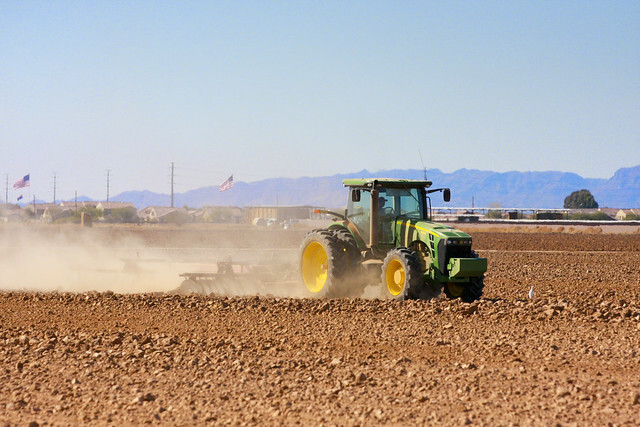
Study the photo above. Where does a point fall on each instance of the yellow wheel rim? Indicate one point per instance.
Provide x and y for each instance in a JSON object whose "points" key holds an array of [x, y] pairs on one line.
{"points": [[314, 267], [455, 290], [394, 277]]}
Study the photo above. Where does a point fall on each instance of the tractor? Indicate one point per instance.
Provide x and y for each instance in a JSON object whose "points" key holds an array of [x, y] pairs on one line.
{"points": [[386, 237]]}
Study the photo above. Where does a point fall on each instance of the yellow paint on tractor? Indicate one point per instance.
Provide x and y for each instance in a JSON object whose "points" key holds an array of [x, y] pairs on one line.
{"points": [[395, 277], [423, 229], [314, 267]]}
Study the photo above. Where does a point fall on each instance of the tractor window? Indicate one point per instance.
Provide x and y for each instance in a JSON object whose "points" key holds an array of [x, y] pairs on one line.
{"points": [[406, 202], [411, 204], [360, 213]]}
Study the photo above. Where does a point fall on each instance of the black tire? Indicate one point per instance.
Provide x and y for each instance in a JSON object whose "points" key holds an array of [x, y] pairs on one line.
{"points": [[345, 236], [322, 263], [467, 292], [354, 282], [402, 275]]}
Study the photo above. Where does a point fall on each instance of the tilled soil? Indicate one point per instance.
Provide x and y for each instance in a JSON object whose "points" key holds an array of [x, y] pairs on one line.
{"points": [[571, 355]]}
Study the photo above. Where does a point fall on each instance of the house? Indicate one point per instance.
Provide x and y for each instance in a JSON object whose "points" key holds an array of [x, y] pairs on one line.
{"points": [[165, 214], [223, 214], [40, 208], [79, 204], [610, 212], [625, 214], [89, 204], [117, 212], [108, 207], [54, 213]]}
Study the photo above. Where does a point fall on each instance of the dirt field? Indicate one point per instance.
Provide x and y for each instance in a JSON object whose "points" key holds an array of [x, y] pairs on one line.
{"points": [[570, 356]]}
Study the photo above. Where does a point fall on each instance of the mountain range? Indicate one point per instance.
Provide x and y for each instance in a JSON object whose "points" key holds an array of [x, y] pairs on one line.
{"points": [[542, 190]]}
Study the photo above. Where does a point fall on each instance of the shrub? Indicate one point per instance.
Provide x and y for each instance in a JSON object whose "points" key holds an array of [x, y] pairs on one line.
{"points": [[494, 214], [595, 216]]}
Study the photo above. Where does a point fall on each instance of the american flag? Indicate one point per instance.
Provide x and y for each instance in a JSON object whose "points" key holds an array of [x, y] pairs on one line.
{"points": [[23, 182], [227, 184]]}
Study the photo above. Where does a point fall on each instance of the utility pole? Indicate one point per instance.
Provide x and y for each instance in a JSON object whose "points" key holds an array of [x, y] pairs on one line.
{"points": [[6, 191], [424, 168], [108, 172], [76, 200], [35, 213], [171, 184], [54, 188]]}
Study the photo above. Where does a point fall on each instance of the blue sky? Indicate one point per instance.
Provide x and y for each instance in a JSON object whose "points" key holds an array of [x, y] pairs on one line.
{"points": [[267, 89]]}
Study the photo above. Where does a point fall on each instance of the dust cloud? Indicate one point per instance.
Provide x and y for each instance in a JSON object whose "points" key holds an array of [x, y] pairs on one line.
{"points": [[77, 260], [48, 258]]}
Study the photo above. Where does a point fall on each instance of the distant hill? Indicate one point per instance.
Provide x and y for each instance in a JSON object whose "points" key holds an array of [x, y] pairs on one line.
{"points": [[508, 189]]}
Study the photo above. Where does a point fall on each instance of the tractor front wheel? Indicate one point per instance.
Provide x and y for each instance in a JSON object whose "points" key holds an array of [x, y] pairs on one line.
{"points": [[322, 263], [467, 292], [402, 276]]}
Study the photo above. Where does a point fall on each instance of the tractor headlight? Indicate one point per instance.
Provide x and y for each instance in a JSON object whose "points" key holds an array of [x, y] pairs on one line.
{"points": [[462, 242]]}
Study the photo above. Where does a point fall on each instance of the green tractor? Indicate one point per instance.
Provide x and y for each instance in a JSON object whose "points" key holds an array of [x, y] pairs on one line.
{"points": [[386, 232]]}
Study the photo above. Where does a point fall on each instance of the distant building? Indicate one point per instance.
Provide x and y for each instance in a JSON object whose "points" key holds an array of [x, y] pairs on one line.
{"points": [[548, 215], [220, 214], [610, 212], [109, 207], [79, 204], [622, 214], [40, 208], [55, 212], [278, 213], [164, 214]]}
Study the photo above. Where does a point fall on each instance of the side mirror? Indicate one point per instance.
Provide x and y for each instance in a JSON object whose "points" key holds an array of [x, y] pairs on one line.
{"points": [[355, 195], [446, 194]]}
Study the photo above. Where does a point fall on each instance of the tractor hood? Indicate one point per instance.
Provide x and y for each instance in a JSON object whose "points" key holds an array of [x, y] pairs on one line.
{"points": [[411, 230]]}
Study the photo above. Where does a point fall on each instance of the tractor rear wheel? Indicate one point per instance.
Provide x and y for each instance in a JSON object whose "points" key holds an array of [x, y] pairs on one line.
{"points": [[350, 245], [322, 263], [402, 275], [354, 282]]}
